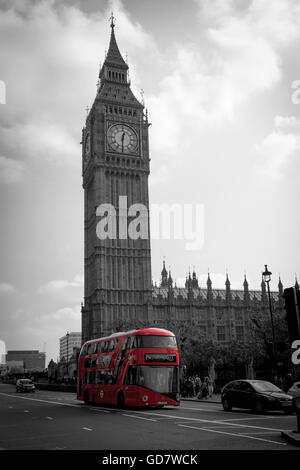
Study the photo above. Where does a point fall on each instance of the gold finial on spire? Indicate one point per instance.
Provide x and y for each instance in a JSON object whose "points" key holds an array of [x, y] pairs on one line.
{"points": [[112, 20]]}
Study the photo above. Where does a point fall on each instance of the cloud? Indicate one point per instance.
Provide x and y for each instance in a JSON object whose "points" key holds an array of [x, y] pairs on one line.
{"points": [[6, 288], [63, 315], [278, 147], [159, 175], [56, 50], [64, 290], [237, 56], [11, 171]]}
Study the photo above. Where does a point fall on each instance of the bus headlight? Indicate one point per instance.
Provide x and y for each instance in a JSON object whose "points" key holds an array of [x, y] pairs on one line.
{"points": [[145, 398]]}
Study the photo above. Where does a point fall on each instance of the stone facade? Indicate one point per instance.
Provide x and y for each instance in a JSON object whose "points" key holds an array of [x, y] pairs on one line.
{"points": [[220, 315]]}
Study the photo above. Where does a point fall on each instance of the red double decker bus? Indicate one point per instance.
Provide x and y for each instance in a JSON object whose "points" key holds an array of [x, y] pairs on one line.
{"points": [[136, 368]]}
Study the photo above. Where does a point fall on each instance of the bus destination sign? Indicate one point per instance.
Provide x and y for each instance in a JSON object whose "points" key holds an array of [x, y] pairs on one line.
{"points": [[156, 357]]}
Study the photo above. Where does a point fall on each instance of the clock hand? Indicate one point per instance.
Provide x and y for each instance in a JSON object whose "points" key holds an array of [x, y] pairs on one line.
{"points": [[122, 139]]}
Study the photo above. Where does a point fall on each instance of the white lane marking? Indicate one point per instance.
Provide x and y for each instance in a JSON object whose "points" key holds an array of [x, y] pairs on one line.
{"points": [[233, 434], [77, 405], [10, 407], [43, 401], [200, 409], [87, 429], [97, 409], [208, 421], [49, 417], [26, 411], [139, 417], [253, 417]]}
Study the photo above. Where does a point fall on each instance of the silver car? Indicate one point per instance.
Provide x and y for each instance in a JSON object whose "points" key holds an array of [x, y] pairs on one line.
{"points": [[25, 385]]}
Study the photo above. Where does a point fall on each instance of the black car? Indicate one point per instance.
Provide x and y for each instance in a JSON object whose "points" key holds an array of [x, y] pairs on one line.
{"points": [[25, 385], [257, 395]]}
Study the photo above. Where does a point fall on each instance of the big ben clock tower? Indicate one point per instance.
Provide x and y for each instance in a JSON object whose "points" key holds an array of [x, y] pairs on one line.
{"points": [[115, 167]]}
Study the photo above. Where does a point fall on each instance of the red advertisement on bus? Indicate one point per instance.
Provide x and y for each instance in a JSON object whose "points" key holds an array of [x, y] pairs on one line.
{"points": [[136, 368]]}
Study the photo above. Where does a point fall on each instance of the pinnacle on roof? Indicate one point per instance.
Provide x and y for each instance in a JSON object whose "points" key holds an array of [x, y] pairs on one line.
{"points": [[164, 271]]}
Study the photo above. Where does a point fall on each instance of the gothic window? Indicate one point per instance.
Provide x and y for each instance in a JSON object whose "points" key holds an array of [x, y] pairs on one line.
{"points": [[238, 316], [239, 330], [221, 336]]}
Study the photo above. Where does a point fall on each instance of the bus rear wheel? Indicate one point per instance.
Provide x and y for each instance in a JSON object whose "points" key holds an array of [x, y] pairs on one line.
{"points": [[121, 400]]}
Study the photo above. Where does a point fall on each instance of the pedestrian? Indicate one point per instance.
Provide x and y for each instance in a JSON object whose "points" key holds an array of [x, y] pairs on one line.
{"points": [[204, 388], [210, 385], [288, 382], [198, 384], [278, 381]]}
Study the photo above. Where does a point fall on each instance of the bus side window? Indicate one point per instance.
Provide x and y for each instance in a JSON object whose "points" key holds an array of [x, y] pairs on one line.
{"points": [[113, 344], [91, 348], [130, 378], [99, 348], [124, 347], [130, 342], [91, 377]]}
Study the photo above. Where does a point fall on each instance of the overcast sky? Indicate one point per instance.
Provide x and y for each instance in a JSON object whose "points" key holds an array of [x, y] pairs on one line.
{"points": [[219, 80]]}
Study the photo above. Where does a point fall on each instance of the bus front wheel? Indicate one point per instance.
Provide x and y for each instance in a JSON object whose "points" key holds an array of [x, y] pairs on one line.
{"points": [[121, 400]]}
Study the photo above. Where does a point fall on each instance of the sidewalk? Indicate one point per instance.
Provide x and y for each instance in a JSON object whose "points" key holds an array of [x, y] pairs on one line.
{"points": [[216, 398]]}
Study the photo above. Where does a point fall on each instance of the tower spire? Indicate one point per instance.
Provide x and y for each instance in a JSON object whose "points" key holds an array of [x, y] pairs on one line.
{"points": [[113, 56]]}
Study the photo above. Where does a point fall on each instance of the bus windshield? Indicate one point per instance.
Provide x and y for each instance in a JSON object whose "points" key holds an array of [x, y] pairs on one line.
{"points": [[161, 379], [149, 341]]}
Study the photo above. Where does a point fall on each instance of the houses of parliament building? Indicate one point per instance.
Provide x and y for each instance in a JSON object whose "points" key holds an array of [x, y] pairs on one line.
{"points": [[118, 288]]}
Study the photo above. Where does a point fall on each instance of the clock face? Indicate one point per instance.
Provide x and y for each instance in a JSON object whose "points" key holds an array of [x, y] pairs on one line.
{"points": [[122, 138], [87, 147]]}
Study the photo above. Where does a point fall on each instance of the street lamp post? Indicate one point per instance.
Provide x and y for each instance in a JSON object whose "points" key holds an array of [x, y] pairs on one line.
{"points": [[267, 278], [68, 334]]}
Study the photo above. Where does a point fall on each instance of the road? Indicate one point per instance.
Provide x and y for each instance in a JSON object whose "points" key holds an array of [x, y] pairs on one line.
{"points": [[47, 420]]}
